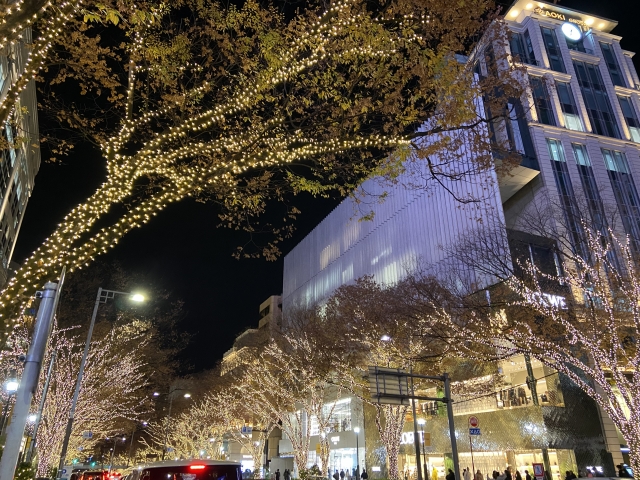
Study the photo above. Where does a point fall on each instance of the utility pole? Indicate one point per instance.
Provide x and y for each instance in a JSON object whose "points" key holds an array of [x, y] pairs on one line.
{"points": [[32, 445], [30, 375]]}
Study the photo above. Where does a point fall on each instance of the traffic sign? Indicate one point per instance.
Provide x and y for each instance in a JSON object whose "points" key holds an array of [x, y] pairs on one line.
{"points": [[246, 430], [474, 431], [87, 435], [538, 471], [473, 422]]}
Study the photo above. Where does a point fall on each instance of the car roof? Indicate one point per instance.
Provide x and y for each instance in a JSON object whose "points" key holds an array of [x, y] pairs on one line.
{"points": [[182, 463]]}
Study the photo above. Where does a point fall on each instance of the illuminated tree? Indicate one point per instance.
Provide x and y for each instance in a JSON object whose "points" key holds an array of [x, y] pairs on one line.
{"points": [[113, 392], [288, 383], [234, 414], [243, 105]]}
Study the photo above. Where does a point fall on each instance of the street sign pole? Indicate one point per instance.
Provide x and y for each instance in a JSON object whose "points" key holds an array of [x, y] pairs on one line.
{"points": [[473, 422]]}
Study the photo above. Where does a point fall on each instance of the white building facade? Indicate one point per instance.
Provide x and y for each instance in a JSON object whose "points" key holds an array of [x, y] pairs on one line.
{"points": [[579, 136]]}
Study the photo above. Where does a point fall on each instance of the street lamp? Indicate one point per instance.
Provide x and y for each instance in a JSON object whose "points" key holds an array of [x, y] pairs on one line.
{"points": [[10, 387], [166, 425], [102, 297], [133, 434], [357, 431]]}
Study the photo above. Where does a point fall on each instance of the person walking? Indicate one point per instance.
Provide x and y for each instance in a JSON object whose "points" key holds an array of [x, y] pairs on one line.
{"points": [[364, 474], [518, 475], [450, 475], [479, 475], [527, 475], [466, 474], [341, 474], [287, 474], [278, 474]]}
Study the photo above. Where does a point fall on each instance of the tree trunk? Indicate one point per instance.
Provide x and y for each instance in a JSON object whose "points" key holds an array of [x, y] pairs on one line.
{"points": [[634, 452]]}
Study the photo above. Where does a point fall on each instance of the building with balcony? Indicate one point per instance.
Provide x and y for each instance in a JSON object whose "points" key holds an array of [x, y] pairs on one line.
{"points": [[578, 134], [20, 161]]}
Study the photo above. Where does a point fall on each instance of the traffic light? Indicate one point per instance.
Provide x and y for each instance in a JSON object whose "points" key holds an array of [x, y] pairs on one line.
{"points": [[74, 461], [93, 464]]}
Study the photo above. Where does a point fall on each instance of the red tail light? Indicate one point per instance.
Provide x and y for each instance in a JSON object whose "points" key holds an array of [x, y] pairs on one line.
{"points": [[196, 467]]}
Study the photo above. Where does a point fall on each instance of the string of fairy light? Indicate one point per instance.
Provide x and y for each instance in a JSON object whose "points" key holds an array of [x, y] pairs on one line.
{"points": [[160, 154]]}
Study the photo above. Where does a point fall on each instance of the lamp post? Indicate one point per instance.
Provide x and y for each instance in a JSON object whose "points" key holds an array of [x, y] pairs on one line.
{"points": [[133, 433], [102, 297], [166, 424], [421, 422], [357, 432]]}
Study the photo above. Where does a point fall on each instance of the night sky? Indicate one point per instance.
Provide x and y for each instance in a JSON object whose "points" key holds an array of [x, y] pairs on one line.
{"points": [[183, 251]]}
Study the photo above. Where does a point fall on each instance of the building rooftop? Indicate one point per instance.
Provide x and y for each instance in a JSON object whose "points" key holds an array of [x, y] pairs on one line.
{"points": [[585, 20]]}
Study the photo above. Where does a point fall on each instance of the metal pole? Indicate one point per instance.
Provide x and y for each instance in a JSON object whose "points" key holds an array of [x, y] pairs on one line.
{"points": [[473, 466], [41, 408], [416, 438], [29, 382], [166, 425], [358, 455], [76, 393], [131, 446], [452, 428], [113, 452]]}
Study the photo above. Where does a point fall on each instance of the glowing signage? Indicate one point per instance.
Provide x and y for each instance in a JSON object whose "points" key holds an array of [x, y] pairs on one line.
{"points": [[571, 31], [561, 16], [409, 439]]}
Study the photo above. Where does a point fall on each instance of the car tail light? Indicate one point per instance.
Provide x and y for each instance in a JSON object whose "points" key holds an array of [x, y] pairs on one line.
{"points": [[196, 467]]}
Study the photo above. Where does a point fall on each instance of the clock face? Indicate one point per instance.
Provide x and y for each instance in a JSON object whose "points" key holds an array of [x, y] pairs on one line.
{"points": [[571, 31]]}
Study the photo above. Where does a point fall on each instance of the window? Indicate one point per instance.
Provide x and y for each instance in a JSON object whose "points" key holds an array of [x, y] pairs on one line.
{"points": [[625, 193], [569, 110], [596, 100], [522, 48], [577, 45], [567, 196], [553, 50], [612, 64], [541, 101], [630, 117], [592, 194]]}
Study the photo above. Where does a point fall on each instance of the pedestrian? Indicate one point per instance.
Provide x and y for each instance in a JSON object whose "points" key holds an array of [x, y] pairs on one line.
{"points": [[278, 474], [527, 476], [364, 475], [479, 475], [287, 474], [518, 476], [507, 474], [589, 473], [434, 474], [450, 475], [341, 474], [336, 475], [354, 474], [466, 474]]}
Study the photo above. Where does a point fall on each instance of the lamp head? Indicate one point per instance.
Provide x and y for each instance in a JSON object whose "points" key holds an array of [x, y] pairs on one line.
{"points": [[421, 421], [187, 395], [357, 430], [156, 394], [137, 297], [11, 385], [385, 338]]}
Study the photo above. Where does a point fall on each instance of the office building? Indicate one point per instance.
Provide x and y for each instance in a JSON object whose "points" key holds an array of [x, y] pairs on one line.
{"points": [[20, 163], [578, 134]]}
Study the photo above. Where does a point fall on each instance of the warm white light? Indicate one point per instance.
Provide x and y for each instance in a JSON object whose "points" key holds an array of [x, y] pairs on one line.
{"points": [[138, 297], [11, 386], [514, 13], [421, 421], [357, 430], [385, 338], [187, 395], [32, 418], [589, 21], [601, 25], [529, 6]]}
